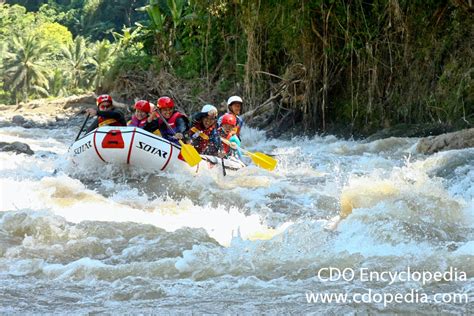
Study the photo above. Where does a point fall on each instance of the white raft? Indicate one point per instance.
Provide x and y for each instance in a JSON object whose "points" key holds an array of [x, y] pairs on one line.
{"points": [[137, 147]]}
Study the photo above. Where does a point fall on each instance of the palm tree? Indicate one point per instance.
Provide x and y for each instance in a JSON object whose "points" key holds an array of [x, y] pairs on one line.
{"points": [[100, 62], [58, 83], [75, 55], [25, 70]]}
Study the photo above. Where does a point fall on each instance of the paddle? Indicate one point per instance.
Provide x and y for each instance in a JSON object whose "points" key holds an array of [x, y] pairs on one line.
{"points": [[200, 133], [204, 136], [82, 127], [260, 159], [189, 153], [223, 167]]}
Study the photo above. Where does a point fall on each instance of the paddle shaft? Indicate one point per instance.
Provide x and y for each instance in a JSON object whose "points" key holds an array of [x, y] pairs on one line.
{"points": [[189, 153], [223, 167], [168, 125], [82, 127], [259, 159], [165, 121]]}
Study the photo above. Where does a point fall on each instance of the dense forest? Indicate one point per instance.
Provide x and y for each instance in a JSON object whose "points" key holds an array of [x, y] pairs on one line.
{"points": [[311, 64]]}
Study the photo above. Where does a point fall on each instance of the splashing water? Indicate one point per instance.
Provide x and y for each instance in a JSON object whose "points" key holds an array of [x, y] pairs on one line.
{"points": [[120, 239]]}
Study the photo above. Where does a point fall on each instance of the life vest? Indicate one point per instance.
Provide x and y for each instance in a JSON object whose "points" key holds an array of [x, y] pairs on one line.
{"points": [[201, 137], [226, 148], [165, 131], [107, 122], [136, 122]]}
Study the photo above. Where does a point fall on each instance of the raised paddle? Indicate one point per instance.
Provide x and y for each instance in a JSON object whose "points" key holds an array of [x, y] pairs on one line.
{"points": [[189, 153], [260, 159], [82, 127], [200, 133]]}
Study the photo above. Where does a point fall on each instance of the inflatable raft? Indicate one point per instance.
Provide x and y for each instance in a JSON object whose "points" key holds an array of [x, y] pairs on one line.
{"points": [[137, 147]]}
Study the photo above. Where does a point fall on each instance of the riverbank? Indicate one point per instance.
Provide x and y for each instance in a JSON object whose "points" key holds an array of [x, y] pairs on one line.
{"points": [[45, 113]]}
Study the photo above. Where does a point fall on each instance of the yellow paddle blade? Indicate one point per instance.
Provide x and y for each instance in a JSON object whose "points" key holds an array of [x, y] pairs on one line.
{"points": [[201, 133], [190, 154], [262, 160]]}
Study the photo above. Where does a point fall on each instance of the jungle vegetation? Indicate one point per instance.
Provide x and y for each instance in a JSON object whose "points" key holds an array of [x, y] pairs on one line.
{"points": [[305, 63]]}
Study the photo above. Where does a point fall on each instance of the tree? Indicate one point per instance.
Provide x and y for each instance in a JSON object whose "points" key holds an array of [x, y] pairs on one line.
{"points": [[25, 70], [100, 62], [76, 60], [55, 34]]}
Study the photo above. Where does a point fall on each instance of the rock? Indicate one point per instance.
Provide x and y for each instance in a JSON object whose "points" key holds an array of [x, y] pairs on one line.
{"points": [[410, 130], [17, 147], [18, 120], [455, 140], [77, 103]]}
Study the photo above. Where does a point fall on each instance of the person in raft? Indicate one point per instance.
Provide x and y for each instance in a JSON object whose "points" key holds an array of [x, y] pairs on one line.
{"points": [[107, 114], [142, 110], [203, 132], [178, 121], [234, 106], [227, 130]]}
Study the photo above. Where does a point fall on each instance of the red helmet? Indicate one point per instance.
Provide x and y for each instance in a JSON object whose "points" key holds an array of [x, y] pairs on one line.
{"points": [[143, 105], [103, 98], [229, 119], [165, 103]]}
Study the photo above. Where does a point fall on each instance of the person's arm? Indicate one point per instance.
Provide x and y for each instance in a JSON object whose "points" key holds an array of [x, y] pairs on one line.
{"points": [[181, 125], [181, 129], [151, 126], [235, 140], [240, 121]]}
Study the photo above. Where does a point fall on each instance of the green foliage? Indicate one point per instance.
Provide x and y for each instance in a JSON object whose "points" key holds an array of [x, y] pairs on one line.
{"points": [[55, 34], [367, 63], [25, 73], [76, 60], [14, 20], [101, 60], [95, 19]]}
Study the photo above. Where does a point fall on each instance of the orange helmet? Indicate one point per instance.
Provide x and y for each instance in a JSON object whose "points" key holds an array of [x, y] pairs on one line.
{"points": [[143, 105], [103, 98], [229, 119], [165, 103]]}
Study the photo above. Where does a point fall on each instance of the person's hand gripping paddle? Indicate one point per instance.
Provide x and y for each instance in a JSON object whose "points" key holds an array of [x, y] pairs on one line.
{"points": [[189, 153]]}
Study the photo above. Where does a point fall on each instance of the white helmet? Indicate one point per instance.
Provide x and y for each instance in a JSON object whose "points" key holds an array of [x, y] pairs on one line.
{"points": [[209, 108], [233, 99]]}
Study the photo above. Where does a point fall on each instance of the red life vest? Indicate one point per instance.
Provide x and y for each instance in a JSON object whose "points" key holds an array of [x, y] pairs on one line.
{"points": [[172, 120], [166, 133], [201, 142]]}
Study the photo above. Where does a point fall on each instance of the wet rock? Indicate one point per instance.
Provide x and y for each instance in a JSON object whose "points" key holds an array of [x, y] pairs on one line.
{"points": [[410, 130], [18, 120], [456, 140], [17, 147]]}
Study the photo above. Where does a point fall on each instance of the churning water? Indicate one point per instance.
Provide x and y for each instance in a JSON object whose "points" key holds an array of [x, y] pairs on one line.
{"points": [[121, 240]]}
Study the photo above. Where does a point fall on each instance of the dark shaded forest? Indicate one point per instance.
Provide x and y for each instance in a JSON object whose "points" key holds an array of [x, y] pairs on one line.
{"points": [[308, 65]]}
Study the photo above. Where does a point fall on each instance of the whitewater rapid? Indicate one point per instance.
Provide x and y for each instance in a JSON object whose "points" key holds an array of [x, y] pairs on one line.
{"points": [[121, 240]]}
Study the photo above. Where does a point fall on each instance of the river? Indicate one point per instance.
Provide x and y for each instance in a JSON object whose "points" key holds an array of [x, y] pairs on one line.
{"points": [[121, 240]]}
